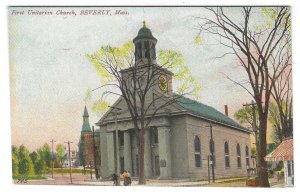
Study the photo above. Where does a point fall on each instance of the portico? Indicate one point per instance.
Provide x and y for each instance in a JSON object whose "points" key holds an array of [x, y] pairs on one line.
{"points": [[157, 157]]}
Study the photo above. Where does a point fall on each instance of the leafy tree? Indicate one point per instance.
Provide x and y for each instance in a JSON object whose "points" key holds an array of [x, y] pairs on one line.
{"points": [[34, 156], [25, 166], [39, 164], [15, 161], [40, 167], [262, 50], [110, 62], [45, 154], [281, 110], [15, 164], [81, 152], [60, 152], [253, 152], [279, 132], [245, 116]]}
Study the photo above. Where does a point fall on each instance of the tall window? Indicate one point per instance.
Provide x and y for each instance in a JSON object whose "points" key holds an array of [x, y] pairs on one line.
{"points": [[197, 149], [247, 157], [154, 135], [147, 48], [227, 158], [238, 155], [139, 50]]}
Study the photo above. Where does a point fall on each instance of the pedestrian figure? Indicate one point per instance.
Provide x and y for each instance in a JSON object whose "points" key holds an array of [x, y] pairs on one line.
{"points": [[115, 179], [127, 178]]}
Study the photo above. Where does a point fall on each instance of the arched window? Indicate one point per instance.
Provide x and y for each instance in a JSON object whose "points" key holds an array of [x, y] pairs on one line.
{"points": [[247, 157], [238, 155], [197, 148], [139, 50], [147, 50], [227, 158]]}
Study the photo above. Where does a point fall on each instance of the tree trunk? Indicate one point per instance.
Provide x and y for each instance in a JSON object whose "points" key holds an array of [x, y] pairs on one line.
{"points": [[142, 179], [263, 180]]}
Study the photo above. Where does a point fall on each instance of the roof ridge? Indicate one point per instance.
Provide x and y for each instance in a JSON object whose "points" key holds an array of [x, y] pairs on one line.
{"points": [[206, 111]]}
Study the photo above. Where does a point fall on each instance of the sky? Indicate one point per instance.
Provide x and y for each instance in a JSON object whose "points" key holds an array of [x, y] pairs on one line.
{"points": [[49, 72]]}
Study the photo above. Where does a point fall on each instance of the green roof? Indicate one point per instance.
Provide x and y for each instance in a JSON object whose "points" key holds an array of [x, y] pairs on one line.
{"points": [[85, 113], [86, 125], [205, 111]]}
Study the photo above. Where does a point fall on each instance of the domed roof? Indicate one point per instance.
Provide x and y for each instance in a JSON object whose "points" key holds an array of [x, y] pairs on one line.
{"points": [[144, 33]]}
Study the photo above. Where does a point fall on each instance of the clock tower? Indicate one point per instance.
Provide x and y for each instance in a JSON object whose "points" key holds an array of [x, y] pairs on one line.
{"points": [[145, 55]]}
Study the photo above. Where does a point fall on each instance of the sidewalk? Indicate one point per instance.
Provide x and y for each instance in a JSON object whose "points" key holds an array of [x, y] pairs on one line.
{"points": [[78, 179], [161, 183], [275, 183]]}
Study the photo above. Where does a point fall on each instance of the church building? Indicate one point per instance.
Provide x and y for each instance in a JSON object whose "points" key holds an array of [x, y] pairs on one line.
{"points": [[184, 140], [89, 144]]}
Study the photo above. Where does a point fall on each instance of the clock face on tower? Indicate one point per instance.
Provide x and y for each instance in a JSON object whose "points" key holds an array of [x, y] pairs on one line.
{"points": [[163, 83]]}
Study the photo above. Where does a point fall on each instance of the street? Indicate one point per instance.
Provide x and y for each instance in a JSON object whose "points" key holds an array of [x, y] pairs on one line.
{"points": [[79, 179]]}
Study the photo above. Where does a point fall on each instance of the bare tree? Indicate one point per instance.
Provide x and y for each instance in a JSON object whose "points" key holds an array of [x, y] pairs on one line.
{"points": [[283, 97], [255, 44], [136, 82]]}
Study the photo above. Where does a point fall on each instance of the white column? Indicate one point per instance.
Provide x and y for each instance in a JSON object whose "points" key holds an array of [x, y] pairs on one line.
{"points": [[147, 155], [110, 153], [164, 152], [117, 150], [127, 152]]}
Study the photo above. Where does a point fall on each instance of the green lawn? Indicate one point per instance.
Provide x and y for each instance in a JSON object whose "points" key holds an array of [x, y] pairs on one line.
{"points": [[61, 171]]}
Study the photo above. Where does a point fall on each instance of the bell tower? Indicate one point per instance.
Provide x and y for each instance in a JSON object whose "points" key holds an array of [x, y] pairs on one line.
{"points": [[86, 140], [144, 42]]}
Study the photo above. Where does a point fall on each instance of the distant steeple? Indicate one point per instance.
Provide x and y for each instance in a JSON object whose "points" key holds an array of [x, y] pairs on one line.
{"points": [[86, 125], [85, 113]]}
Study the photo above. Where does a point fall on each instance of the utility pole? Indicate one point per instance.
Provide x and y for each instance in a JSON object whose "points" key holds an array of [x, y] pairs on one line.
{"points": [[52, 157], [212, 150], [255, 130], [69, 152], [208, 170], [95, 154]]}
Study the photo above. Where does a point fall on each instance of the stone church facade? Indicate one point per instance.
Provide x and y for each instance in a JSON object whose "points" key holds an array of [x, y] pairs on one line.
{"points": [[177, 143]]}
